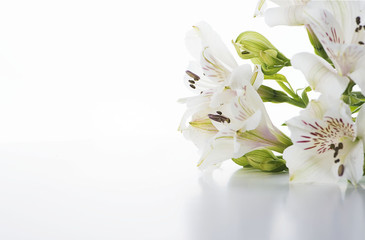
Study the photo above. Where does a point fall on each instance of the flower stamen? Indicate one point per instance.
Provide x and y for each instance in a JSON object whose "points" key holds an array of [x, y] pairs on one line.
{"points": [[219, 118], [341, 170], [192, 75]]}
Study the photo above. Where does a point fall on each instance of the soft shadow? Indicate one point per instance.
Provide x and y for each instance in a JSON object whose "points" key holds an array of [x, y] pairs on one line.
{"points": [[256, 205], [242, 209], [321, 211]]}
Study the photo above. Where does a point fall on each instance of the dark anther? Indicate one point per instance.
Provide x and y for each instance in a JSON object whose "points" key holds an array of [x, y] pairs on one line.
{"points": [[332, 146], [192, 75], [219, 112], [219, 118], [337, 160], [340, 145], [245, 52], [358, 20], [356, 29], [192, 81], [341, 169], [336, 153], [360, 27], [361, 42], [192, 86]]}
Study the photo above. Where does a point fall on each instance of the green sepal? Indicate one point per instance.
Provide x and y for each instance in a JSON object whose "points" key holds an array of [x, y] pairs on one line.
{"points": [[263, 160], [254, 46]]}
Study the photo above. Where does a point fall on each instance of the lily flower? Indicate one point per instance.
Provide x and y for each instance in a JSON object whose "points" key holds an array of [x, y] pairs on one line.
{"points": [[249, 128], [216, 77], [210, 76], [340, 28], [205, 121], [327, 144], [214, 63]]}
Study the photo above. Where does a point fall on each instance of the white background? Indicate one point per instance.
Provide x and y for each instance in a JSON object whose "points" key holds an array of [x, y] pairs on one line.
{"points": [[89, 147]]}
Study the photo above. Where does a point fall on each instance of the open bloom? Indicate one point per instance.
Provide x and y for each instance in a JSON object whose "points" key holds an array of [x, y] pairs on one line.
{"points": [[328, 145], [248, 129], [217, 79], [213, 74], [340, 27], [214, 64], [205, 121]]}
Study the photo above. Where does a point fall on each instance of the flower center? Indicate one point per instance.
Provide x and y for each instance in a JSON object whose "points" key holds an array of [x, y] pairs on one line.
{"points": [[330, 136]]}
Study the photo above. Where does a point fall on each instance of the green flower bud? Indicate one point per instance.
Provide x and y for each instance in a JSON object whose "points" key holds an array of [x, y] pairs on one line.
{"points": [[263, 160], [254, 46], [268, 94]]}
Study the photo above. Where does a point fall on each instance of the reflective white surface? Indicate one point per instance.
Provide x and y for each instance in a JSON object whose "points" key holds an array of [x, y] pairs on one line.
{"points": [[264, 206], [97, 190]]}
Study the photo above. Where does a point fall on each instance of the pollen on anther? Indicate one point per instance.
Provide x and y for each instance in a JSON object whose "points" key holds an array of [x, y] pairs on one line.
{"points": [[192, 86], [341, 170], [219, 112], [358, 20]]}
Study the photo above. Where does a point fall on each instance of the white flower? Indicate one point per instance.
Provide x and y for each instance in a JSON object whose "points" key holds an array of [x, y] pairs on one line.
{"points": [[328, 145], [340, 27], [249, 128], [211, 74], [205, 119], [214, 63], [216, 77]]}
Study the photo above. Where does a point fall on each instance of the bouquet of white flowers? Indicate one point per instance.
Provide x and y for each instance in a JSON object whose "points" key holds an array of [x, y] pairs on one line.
{"points": [[227, 119]]}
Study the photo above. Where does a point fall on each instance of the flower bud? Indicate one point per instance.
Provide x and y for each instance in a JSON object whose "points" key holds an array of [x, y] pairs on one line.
{"points": [[268, 94], [254, 46], [263, 160]]}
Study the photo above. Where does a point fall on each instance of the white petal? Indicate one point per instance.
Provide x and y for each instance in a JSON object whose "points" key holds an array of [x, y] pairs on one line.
{"points": [[306, 167], [222, 96], [210, 39], [216, 152], [240, 76], [360, 123], [213, 67], [358, 75], [319, 74], [199, 137], [354, 163], [288, 15]]}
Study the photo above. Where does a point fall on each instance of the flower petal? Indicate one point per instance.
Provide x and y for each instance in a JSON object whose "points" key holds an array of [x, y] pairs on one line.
{"points": [[319, 74], [354, 163], [240, 76], [306, 167], [217, 151], [358, 76], [210, 39], [288, 15], [360, 123]]}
